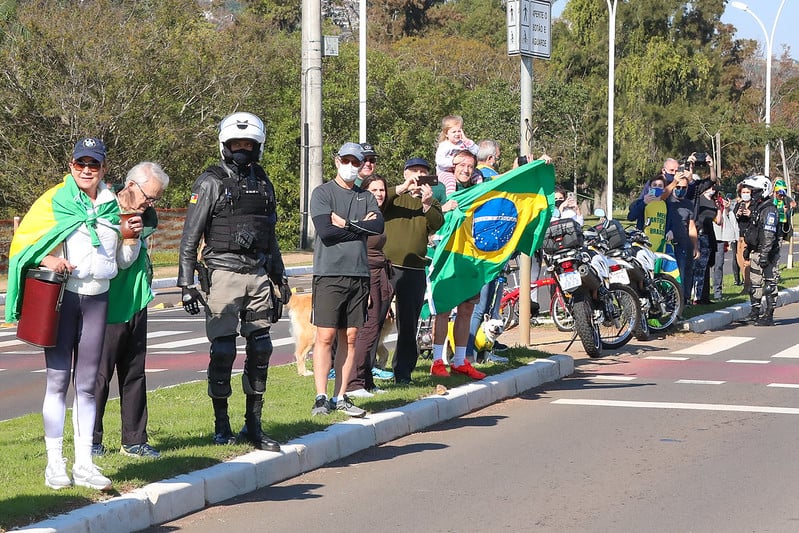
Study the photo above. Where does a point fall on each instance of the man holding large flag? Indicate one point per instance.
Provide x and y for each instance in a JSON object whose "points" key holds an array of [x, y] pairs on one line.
{"points": [[492, 220]]}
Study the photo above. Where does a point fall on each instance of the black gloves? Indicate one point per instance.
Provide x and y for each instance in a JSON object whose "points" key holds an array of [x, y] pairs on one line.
{"points": [[285, 291], [192, 299]]}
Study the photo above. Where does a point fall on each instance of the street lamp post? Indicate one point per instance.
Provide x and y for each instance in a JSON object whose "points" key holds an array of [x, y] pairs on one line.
{"points": [[611, 94], [769, 42]]}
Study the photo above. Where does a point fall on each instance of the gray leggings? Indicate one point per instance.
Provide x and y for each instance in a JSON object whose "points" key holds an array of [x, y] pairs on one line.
{"points": [[77, 354]]}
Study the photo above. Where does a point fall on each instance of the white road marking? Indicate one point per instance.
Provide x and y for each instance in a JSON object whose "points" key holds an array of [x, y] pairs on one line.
{"points": [[179, 344], [166, 333], [789, 353], [684, 406], [749, 361], [666, 358], [719, 344], [699, 382], [14, 342], [153, 370], [784, 385], [614, 378], [174, 352]]}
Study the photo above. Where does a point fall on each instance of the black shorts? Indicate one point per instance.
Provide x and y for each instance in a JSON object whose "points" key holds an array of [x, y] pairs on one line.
{"points": [[340, 301]]}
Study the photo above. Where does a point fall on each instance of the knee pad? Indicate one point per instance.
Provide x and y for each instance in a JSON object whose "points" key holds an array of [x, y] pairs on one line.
{"points": [[256, 367], [223, 353]]}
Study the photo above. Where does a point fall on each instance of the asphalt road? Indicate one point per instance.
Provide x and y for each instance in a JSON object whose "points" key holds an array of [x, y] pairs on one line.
{"points": [[685, 433]]}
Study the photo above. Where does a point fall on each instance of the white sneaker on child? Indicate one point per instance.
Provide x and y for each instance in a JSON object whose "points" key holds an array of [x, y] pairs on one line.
{"points": [[90, 476], [55, 475]]}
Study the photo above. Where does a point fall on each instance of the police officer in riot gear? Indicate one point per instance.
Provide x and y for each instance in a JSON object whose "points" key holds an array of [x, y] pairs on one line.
{"points": [[233, 209], [763, 246]]}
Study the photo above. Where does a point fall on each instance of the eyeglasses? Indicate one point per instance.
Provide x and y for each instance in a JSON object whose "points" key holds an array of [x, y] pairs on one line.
{"points": [[351, 161], [371, 160], [150, 199], [94, 166]]}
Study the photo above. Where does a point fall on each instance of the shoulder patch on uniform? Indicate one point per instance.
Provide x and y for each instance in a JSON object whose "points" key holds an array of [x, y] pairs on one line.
{"points": [[770, 223], [193, 199]]}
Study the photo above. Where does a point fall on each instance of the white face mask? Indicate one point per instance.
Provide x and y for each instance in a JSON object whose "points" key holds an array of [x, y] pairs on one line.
{"points": [[745, 196], [348, 172]]}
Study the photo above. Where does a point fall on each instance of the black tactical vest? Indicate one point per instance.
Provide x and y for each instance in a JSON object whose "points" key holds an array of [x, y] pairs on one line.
{"points": [[245, 217]]}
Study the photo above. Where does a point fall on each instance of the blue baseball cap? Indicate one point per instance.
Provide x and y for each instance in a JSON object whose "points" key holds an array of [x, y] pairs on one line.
{"points": [[417, 162], [89, 147], [353, 149]]}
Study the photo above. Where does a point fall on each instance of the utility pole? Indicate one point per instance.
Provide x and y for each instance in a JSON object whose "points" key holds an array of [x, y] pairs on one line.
{"points": [[311, 115]]}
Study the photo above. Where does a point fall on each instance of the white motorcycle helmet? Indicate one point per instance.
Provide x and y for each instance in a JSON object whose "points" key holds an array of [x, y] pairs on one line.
{"points": [[241, 125], [759, 183]]}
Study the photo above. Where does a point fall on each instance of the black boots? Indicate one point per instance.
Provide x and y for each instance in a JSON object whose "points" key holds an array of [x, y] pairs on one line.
{"points": [[252, 432], [754, 315], [222, 432]]}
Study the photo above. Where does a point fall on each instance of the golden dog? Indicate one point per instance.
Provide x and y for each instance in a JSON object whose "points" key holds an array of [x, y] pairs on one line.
{"points": [[303, 332]]}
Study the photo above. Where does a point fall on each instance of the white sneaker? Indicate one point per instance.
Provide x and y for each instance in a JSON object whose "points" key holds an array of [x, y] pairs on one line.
{"points": [[90, 476], [360, 393], [494, 358], [55, 475]]}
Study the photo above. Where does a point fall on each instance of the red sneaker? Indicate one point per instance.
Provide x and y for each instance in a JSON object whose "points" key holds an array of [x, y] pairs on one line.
{"points": [[467, 370], [439, 369]]}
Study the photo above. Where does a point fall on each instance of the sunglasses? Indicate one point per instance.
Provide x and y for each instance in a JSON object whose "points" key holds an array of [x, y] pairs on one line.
{"points": [[680, 188], [150, 199], [80, 165], [371, 160]]}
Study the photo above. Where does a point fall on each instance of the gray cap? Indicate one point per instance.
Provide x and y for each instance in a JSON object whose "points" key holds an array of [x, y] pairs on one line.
{"points": [[353, 149]]}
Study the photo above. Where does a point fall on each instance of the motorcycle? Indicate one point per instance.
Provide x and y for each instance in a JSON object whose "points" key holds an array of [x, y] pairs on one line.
{"points": [[605, 312], [659, 293]]}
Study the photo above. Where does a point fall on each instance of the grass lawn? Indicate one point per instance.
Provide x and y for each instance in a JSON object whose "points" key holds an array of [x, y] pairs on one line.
{"points": [[181, 426]]}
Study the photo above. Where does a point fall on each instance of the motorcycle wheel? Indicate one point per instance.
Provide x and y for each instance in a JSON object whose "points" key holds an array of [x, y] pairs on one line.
{"points": [[583, 315], [671, 292], [617, 333], [559, 311]]}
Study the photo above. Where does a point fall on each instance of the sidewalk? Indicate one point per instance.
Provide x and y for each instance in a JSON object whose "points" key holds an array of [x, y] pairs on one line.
{"points": [[167, 500]]}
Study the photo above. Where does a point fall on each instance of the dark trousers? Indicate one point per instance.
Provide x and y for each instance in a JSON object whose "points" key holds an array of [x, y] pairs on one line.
{"points": [[736, 268], [366, 341], [124, 348], [409, 286]]}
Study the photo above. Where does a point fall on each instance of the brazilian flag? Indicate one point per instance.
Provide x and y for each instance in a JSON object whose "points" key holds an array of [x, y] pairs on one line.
{"points": [[493, 220], [50, 220]]}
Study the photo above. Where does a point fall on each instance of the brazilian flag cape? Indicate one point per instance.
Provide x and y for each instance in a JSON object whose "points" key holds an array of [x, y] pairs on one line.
{"points": [[130, 292], [51, 218], [493, 220]]}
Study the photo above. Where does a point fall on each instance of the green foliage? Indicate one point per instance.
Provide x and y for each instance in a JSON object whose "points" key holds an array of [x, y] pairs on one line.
{"points": [[157, 81]]}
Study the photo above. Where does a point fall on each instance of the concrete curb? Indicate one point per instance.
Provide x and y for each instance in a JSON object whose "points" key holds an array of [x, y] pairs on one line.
{"points": [[721, 318], [167, 500]]}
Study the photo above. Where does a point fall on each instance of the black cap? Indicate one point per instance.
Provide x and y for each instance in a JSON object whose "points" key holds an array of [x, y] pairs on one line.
{"points": [[417, 162], [368, 150]]}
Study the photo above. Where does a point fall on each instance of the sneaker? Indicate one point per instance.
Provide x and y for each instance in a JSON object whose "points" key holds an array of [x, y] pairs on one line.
{"points": [[377, 390], [321, 406], [90, 476], [499, 347], [359, 393], [345, 406], [467, 370], [439, 369], [494, 358], [140, 450], [379, 373], [55, 475], [98, 450]]}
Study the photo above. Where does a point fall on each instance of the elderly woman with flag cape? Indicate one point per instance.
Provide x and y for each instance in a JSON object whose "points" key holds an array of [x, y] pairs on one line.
{"points": [[73, 229]]}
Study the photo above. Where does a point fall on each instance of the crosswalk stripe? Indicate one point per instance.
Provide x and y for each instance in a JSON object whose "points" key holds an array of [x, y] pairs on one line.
{"points": [[614, 378], [666, 358], [784, 385], [716, 345], [699, 382], [14, 342], [789, 353], [749, 361], [167, 333]]}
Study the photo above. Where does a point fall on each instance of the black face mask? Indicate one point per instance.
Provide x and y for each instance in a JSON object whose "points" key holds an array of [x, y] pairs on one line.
{"points": [[558, 202], [242, 158]]}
